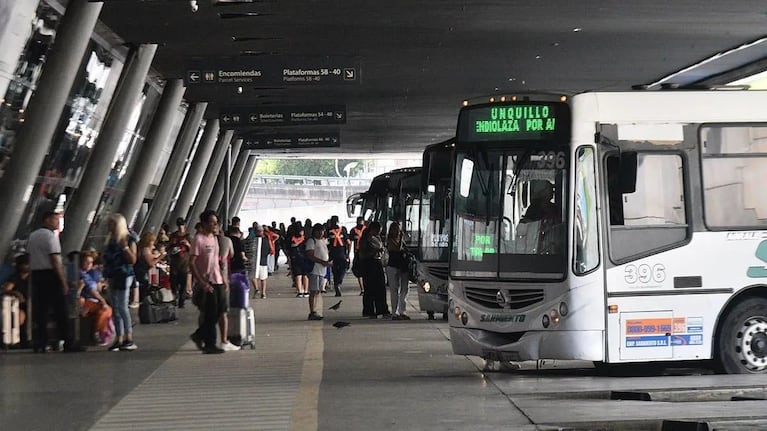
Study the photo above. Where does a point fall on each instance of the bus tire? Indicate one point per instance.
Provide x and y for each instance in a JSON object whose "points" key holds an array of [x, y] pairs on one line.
{"points": [[742, 338]]}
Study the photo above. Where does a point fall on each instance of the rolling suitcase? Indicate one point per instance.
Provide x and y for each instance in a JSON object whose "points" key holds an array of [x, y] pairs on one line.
{"points": [[238, 291], [242, 327], [9, 324]]}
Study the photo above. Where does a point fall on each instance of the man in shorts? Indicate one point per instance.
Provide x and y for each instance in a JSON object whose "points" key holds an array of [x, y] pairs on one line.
{"points": [[260, 270]]}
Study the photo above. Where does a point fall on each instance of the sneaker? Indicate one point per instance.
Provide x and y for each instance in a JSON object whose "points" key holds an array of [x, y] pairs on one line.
{"points": [[305, 295], [133, 305], [263, 296], [212, 350], [404, 317], [197, 340], [386, 316], [314, 316], [114, 347], [362, 292], [395, 317], [128, 346], [299, 295], [228, 347]]}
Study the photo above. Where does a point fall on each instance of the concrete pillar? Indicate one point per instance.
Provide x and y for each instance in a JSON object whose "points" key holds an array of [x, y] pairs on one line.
{"points": [[20, 17], [81, 208], [209, 180], [175, 167], [146, 162], [43, 112], [194, 176], [242, 185], [220, 190]]}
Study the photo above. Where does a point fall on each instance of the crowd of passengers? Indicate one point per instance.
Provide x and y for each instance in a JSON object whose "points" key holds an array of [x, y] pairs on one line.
{"points": [[200, 268]]}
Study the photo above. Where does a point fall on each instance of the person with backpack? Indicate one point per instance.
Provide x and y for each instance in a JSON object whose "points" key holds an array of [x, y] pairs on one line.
{"points": [[119, 256]]}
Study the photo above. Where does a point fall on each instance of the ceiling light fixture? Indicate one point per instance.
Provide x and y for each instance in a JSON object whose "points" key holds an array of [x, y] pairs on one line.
{"points": [[254, 38], [235, 15]]}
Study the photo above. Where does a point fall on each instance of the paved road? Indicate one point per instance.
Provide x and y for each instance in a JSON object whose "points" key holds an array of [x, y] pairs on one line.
{"points": [[371, 375]]}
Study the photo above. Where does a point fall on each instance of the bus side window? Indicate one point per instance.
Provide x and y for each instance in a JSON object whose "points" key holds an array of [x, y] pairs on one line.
{"points": [[615, 195]]}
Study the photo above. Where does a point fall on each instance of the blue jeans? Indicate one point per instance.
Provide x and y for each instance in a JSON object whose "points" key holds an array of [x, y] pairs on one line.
{"points": [[119, 298]]}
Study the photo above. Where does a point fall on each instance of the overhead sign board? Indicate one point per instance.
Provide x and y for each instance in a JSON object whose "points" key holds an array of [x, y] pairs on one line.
{"points": [[245, 116], [273, 70], [292, 140]]}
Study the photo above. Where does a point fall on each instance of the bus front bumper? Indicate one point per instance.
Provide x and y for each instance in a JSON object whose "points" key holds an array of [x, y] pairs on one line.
{"points": [[531, 345]]}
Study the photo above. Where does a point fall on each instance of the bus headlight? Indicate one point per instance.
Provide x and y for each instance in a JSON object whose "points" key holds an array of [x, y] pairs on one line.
{"points": [[426, 286], [563, 309], [554, 315], [457, 312]]}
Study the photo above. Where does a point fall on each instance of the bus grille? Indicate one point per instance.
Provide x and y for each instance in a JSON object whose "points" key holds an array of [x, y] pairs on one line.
{"points": [[515, 298], [438, 272]]}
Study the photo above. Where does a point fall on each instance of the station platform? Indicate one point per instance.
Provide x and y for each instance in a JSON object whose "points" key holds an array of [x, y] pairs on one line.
{"points": [[309, 375]]}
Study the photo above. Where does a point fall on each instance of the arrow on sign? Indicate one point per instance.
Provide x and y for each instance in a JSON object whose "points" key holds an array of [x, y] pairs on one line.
{"points": [[349, 74], [226, 119], [194, 77], [339, 115], [253, 118]]}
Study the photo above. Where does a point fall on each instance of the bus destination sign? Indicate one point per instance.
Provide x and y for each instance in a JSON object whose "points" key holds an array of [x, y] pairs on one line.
{"points": [[513, 121]]}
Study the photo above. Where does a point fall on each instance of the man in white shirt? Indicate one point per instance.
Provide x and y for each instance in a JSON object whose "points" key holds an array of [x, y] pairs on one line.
{"points": [[49, 284], [317, 252]]}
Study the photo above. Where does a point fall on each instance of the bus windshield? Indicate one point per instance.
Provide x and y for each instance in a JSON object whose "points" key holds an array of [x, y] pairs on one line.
{"points": [[510, 214]]}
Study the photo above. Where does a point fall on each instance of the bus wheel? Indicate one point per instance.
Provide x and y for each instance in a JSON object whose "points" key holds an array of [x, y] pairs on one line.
{"points": [[742, 338], [430, 315]]}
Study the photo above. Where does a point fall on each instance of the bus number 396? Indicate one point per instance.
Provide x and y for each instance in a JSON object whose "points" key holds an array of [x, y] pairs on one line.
{"points": [[645, 273]]}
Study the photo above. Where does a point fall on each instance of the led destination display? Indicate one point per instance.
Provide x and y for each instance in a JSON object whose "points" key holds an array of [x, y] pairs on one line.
{"points": [[514, 121]]}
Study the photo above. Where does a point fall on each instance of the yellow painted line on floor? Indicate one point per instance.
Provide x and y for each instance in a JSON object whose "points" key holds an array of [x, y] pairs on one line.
{"points": [[305, 409]]}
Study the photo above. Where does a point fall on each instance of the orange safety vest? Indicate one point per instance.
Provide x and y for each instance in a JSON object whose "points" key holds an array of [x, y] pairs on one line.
{"points": [[297, 240], [337, 240], [358, 234]]}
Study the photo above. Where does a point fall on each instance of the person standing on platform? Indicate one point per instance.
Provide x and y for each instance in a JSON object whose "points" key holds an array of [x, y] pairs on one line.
{"points": [[371, 267], [49, 284], [262, 247], [226, 253], [355, 237], [206, 270], [298, 259], [119, 256], [317, 252], [397, 272], [180, 244], [338, 247]]}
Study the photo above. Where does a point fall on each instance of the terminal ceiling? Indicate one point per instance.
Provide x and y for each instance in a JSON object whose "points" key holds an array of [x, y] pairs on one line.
{"points": [[419, 59]]}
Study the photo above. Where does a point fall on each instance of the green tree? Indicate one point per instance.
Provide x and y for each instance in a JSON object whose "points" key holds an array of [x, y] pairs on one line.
{"points": [[307, 167]]}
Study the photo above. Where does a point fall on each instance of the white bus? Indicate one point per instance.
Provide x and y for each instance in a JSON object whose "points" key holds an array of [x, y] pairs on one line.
{"points": [[612, 227]]}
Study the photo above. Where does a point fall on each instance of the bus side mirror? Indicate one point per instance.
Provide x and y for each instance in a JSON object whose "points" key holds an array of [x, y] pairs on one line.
{"points": [[628, 172]]}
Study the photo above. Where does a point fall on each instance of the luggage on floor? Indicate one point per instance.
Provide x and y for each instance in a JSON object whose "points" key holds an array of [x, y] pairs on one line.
{"points": [[9, 324], [242, 327], [238, 290], [151, 312], [160, 295]]}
